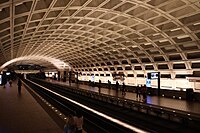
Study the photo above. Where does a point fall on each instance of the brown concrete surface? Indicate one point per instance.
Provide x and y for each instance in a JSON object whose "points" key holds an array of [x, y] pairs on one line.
{"points": [[22, 114]]}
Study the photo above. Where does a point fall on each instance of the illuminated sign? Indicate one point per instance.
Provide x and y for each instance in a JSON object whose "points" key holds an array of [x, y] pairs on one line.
{"points": [[154, 75], [92, 78], [1, 79], [148, 82], [7, 73]]}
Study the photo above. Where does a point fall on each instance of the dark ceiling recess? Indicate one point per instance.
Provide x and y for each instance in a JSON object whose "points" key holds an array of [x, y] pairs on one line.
{"points": [[29, 67], [103, 33]]}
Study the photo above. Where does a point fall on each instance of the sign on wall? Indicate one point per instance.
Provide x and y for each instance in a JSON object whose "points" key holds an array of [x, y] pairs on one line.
{"points": [[1, 79]]}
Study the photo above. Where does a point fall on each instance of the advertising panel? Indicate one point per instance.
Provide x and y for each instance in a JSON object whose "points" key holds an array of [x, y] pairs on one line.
{"points": [[154, 75], [1, 79], [148, 82]]}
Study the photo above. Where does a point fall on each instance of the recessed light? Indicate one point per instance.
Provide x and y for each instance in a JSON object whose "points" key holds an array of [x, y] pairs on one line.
{"points": [[196, 23], [183, 36], [147, 43], [17, 4], [164, 40], [175, 29]]}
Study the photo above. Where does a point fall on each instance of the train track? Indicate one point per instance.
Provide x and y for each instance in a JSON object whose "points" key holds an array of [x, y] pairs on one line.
{"points": [[141, 122]]}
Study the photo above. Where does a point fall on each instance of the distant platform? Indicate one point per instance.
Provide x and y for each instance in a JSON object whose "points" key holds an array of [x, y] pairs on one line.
{"points": [[179, 104]]}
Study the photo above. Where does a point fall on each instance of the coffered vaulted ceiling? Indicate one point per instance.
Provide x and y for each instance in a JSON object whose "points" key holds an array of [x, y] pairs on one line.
{"points": [[104, 35]]}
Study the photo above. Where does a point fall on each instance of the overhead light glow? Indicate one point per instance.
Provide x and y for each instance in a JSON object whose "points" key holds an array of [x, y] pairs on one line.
{"points": [[17, 4], [196, 23], [175, 29], [147, 43], [56, 62], [183, 36], [164, 40]]}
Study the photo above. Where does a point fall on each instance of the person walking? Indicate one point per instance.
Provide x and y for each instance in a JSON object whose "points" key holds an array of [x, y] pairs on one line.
{"points": [[19, 86], [70, 126], [138, 92], [123, 89], [10, 82], [99, 86]]}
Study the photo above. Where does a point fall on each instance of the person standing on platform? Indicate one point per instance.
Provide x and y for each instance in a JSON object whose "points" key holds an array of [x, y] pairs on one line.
{"points": [[117, 86], [79, 122], [123, 89], [70, 78], [70, 126], [77, 82], [144, 93], [99, 86], [138, 91], [77, 79], [10, 82], [19, 86]]}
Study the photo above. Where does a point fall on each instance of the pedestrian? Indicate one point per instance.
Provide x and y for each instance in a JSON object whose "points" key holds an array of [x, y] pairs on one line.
{"points": [[4, 81], [117, 85], [77, 82], [79, 122], [19, 86], [138, 92], [70, 78], [70, 126], [123, 89], [10, 82], [99, 86], [144, 93]]}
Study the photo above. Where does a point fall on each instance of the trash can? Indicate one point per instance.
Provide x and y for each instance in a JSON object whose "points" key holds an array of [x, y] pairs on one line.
{"points": [[189, 94]]}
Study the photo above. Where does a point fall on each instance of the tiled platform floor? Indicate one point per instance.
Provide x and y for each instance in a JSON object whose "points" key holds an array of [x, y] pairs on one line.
{"points": [[178, 104], [22, 114]]}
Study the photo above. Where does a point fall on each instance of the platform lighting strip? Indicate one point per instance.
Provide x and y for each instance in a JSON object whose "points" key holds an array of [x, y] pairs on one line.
{"points": [[97, 112], [53, 108]]}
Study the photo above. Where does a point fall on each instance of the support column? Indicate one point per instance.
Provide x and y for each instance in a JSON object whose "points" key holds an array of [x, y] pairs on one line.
{"points": [[64, 76], [158, 83], [173, 77], [58, 75]]}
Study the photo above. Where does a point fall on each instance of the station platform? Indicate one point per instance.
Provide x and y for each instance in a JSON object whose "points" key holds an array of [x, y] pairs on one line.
{"points": [[20, 113], [178, 104]]}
